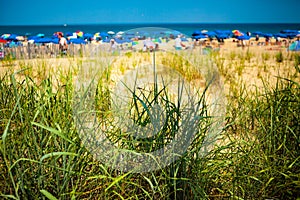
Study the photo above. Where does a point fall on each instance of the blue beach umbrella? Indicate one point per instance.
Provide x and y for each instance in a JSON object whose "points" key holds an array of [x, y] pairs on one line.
{"points": [[223, 32], [12, 37], [43, 40], [33, 37], [243, 37], [122, 41], [289, 31], [200, 36], [210, 34], [77, 41], [104, 35], [267, 35], [281, 35], [87, 35], [68, 34], [222, 36], [259, 33], [40, 35], [196, 32], [55, 40]]}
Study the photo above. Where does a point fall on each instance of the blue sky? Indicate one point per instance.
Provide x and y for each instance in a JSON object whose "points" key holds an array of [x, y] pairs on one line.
{"points": [[37, 12]]}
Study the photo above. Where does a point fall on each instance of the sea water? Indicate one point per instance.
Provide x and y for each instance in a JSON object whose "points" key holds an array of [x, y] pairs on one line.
{"points": [[184, 28]]}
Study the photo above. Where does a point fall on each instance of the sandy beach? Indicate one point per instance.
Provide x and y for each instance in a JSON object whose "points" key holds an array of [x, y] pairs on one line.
{"points": [[250, 63]]}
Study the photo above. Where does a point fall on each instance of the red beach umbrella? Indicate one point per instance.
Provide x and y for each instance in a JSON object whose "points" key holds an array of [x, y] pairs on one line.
{"points": [[3, 41]]}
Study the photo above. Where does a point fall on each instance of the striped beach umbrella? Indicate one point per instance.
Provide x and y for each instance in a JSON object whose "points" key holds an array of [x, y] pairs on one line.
{"points": [[79, 33], [5, 36], [237, 33]]}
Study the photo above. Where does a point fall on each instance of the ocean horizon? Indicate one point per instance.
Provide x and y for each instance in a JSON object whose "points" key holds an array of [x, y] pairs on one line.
{"points": [[184, 28]]}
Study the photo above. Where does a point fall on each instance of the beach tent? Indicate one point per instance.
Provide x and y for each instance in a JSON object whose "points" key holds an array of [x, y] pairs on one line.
{"points": [[295, 46]]}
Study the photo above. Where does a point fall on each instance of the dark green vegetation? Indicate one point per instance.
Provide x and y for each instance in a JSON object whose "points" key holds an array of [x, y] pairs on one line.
{"points": [[41, 155]]}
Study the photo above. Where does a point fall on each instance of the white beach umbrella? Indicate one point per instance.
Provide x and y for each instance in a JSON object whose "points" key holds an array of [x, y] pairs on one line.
{"points": [[111, 32], [120, 33]]}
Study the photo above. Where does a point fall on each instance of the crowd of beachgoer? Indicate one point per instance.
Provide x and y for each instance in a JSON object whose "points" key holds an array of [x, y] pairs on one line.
{"points": [[178, 42]]}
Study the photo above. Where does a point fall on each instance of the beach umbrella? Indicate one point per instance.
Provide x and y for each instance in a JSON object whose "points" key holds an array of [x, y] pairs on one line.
{"points": [[79, 33], [121, 41], [267, 35], [106, 40], [40, 35], [111, 32], [69, 34], [210, 33], [12, 37], [33, 38], [3, 41], [289, 31], [88, 35], [201, 36], [259, 33], [55, 40], [20, 38], [237, 33], [196, 32], [77, 41], [243, 37], [43, 40], [5, 36], [226, 32], [281, 35], [222, 36], [104, 35]]}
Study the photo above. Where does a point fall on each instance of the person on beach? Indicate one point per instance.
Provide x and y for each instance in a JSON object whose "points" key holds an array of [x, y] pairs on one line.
{"points": [[178, 43], [63, 44], [113, 47]]}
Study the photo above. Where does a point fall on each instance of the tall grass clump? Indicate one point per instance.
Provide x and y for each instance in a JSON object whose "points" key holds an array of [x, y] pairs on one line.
{"points": [[265, 127]]}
